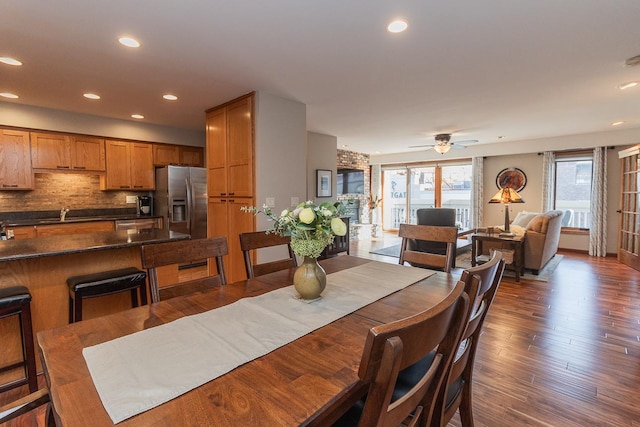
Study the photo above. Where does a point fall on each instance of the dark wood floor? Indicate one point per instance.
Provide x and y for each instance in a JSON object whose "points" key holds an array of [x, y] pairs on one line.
{"points": [[560, 353]]}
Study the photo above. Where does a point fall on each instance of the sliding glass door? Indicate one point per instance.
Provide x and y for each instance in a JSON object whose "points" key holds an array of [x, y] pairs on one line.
{"points": [[406, 189]]}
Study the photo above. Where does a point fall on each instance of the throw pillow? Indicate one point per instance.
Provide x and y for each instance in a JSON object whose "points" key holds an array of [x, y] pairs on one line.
{"points": [[523, 218]]}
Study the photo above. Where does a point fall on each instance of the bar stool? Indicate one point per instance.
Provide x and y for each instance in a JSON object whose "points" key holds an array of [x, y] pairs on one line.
{"points": [[105, 283], [16, 300]]}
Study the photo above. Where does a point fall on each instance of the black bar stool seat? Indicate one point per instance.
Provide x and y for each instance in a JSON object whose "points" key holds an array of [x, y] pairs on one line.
{"points": [[16, 300], [105, 283]]}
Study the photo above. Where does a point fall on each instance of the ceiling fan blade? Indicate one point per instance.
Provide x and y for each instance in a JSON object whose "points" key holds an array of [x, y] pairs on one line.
{"points": [[467, 141], [427, 146]]}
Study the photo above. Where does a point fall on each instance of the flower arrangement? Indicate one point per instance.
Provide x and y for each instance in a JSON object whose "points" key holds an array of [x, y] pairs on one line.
{"points": [[311, 227], [373, 201]]}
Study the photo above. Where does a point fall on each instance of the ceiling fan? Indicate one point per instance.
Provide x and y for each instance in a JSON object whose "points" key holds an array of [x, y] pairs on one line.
{"points": [[443, 143]]}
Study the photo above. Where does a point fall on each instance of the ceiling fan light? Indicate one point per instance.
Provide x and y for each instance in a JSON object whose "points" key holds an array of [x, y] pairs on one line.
{"points": [[442, 148]]}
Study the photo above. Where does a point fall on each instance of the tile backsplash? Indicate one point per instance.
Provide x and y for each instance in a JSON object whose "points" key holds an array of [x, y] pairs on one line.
{"points": [[71, 190]]}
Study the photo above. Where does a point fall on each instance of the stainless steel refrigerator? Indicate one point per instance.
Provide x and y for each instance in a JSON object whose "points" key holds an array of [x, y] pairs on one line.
{"points": [[181, 198]]}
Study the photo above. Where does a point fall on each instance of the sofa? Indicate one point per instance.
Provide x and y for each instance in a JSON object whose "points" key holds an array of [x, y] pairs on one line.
{"points": [[542, 235]]}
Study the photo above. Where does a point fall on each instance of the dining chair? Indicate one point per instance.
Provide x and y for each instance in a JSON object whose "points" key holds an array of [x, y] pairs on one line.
{"points": [[409, 253], [340, 243], [391, 347], [251, 241], [441, 217], [26, 404], [481, 284], [157, 255]]}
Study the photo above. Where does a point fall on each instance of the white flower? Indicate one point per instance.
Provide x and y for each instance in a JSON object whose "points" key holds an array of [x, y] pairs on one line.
{"points": [[307, 215], [338, 227], [284, 213]]}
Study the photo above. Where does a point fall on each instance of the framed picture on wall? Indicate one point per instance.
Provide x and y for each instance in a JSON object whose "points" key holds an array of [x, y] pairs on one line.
{"points": [[323, 183]]}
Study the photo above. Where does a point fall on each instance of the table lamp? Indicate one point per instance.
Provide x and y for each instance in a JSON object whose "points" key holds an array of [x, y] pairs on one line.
{"points": [[506, 196]]}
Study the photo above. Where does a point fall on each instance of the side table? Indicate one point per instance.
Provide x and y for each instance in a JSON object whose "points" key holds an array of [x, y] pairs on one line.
{"points": [[515, 243]]}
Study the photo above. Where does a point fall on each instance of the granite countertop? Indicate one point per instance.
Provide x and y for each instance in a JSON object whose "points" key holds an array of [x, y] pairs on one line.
{"points": [[47, 221], [17, 249]]}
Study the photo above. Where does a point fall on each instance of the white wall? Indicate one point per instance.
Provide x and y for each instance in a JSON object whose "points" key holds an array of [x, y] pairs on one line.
{"points": [[322, 153], [26, 116], [281, 157]]}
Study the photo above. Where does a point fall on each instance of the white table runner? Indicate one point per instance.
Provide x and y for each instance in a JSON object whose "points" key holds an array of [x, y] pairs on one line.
{"points": [[137, 372]]}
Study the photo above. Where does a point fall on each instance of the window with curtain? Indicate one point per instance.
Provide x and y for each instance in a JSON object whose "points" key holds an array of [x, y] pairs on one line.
{"points": [[573, 178]]}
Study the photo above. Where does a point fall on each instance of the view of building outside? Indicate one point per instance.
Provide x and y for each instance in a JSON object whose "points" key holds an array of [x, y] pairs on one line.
{"points": [[573, 191], [402, 197]]}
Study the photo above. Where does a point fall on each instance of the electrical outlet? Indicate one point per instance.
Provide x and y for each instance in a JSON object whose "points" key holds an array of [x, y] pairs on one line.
{"points": [[132, 199], [295, 201], [271, 202]]}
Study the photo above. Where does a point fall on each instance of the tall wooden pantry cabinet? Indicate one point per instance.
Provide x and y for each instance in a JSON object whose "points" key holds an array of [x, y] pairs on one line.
{"points": [[231, 177]]}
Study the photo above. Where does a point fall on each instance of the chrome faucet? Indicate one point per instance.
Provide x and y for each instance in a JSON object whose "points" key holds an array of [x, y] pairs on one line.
{"points": [[63, 214]]}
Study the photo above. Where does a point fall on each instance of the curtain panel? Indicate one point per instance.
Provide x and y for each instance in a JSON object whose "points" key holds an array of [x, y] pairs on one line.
{"points": [[477, 169], [598, 227]]}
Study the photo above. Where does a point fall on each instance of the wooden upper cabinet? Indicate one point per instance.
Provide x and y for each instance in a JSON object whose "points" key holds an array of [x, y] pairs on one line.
{"points": [[230, 149], [142, 171], [50, 151], [166, 154], [65, 152], [191, 156], [15, 160], [118, 176], [88, 153], [129, 166]]}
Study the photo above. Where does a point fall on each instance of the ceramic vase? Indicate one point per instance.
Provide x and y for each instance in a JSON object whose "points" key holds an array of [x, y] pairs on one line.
{"points": [[310, 279]]}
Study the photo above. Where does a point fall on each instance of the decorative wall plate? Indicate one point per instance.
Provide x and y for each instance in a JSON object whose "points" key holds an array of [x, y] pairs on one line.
{"points": [[511, 178]]}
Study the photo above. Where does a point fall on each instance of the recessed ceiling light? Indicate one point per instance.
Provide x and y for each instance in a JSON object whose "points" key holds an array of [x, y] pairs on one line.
{"points": [[8, 95], [169, 97], [617, 123], [627, 85], [129, 42], [501, 136], [9, 61], [91, 96], [397, 26], [137, 116]]}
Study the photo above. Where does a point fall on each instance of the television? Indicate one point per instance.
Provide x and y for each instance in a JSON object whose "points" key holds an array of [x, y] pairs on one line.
{"points": [[350, 181]]}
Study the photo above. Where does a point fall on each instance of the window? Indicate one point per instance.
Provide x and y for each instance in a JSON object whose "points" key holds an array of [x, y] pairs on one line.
{"points": [[408, 188], [573, 189]]}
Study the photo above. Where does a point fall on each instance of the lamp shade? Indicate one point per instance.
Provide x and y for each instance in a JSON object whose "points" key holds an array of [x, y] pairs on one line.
{"points": [[442, 148], [506, 196]]}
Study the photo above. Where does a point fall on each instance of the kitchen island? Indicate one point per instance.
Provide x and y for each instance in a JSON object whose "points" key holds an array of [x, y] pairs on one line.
{"points": [[44, 264]]}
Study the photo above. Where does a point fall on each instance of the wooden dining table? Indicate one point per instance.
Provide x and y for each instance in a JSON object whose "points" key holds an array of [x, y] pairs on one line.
{"points": [[310, 381]]}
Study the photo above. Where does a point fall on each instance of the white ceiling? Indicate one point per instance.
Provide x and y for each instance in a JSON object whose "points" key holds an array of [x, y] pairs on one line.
{"points": [[478, 69]]}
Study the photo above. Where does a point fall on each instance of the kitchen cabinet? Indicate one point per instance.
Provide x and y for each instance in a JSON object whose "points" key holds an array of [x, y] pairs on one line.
{"points": [[66, 152], [16, 172], [87, 153], [230, 149], [61, 229], [177, 155], [226, 219], [166, 154], [230, 177], [129, 166], [191, 156]]}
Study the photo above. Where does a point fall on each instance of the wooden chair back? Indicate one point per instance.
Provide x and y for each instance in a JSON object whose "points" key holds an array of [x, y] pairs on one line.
{"points": [[259, 239], [340, 243], [184, 252], [410, 233], [27, 404], [394, 346], [481, 284]]}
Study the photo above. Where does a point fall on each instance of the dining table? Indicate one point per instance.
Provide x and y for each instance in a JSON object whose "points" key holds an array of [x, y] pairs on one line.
{"points": [[311, 380]]}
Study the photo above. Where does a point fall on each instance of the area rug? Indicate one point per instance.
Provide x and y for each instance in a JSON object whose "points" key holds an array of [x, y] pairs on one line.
{"points": [[464, 261]]}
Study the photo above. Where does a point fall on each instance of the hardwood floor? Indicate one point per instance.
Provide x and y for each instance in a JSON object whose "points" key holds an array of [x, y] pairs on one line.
{"points": [[560, 353]]}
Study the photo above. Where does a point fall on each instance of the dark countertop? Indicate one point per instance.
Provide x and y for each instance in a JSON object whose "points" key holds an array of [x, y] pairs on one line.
{"points": [[47, 221], [17, 249]]}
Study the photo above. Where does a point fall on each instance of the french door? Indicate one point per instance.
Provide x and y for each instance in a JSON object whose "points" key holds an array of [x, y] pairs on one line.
{"points": [[629, 228]]}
